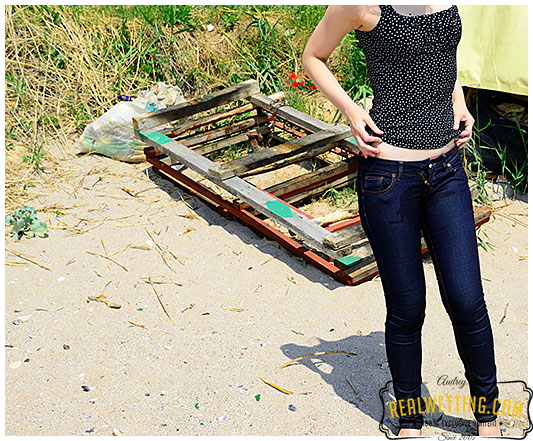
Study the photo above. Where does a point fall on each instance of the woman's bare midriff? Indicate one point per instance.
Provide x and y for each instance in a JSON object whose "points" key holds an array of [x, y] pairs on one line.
{"points": [[388, 151]]}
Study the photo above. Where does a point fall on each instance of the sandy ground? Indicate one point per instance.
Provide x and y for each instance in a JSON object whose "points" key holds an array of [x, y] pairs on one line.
{"points": [[239, 307]]}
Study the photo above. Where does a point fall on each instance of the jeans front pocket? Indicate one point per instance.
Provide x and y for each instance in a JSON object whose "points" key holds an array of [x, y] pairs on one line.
{"points": [[455, 162], [377, 181]]}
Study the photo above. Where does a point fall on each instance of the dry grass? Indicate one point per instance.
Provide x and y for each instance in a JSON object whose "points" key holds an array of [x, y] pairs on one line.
{"points": [[66, 64]]}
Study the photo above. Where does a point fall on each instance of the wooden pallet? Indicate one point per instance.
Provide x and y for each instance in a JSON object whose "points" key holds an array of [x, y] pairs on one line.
{"points": [[340, 249]]}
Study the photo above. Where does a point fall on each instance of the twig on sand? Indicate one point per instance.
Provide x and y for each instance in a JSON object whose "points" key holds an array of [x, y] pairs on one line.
{"points": [[29, 260], [504, 313], [159, 298], [137, 324], [160, 250], [285, 391], [315, 354], [102, 298], [356, 393], [109, 258]]}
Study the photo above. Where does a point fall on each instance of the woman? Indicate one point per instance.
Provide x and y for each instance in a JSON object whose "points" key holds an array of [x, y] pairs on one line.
{"points": [[411, 178]]}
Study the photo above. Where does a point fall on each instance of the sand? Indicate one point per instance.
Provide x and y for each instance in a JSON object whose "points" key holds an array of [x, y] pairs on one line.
{"points": [[236, 308]]}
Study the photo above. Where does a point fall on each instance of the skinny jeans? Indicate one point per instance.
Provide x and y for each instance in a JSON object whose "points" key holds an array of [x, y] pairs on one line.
{"points": [[398, 201]]}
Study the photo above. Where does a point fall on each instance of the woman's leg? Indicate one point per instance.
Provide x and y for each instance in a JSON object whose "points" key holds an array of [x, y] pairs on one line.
{"points": [[449, 229], [390, 216]]}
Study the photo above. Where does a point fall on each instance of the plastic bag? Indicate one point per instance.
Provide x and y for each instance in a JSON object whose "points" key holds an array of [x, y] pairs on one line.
{"points": [[112, 134]]}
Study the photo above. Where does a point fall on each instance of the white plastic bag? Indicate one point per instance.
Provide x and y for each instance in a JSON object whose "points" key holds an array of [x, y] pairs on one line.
{"points": [[112, 134]]}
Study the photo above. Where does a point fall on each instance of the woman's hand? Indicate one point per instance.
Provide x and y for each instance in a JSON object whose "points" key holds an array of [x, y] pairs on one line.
{"points": [[359, 119], [461, 113]]}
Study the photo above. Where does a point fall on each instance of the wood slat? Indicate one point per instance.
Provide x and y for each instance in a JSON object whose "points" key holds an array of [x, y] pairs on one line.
{"points": [[233, 93], [220, 132], [263, 202], [302, 119], [283, 154]]}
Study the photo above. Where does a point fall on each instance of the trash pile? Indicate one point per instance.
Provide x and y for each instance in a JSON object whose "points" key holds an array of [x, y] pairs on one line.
{"points": [[112, 134]]}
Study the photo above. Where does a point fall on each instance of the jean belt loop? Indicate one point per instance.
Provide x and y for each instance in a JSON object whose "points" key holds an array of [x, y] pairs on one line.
{"points": [[400, 170]]}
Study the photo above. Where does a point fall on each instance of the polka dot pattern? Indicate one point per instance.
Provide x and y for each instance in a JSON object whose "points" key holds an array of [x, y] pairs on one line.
{"points": [[412, 65]]}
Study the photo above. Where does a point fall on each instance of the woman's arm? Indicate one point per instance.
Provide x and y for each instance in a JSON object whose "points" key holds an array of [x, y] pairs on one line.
{"points": [[461, 113], [337, 22]]}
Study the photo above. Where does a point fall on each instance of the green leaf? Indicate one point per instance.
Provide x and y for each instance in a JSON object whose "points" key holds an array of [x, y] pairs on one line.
{"points": [[9, 220], [39, 227]]}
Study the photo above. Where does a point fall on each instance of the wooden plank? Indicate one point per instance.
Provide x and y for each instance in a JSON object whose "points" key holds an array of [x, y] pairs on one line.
{"points": [[188, 108], [232, 140], [175, 132], [263, 202], [220, 132], [293, 151], [315, 191], [310, 178], [300, 118]]}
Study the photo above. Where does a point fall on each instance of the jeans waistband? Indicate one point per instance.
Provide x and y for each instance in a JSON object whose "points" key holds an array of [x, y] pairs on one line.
{"points": [[373, 162]]}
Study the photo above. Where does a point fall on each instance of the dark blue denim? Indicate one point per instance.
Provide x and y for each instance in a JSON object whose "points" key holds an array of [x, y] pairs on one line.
{"points": [[397, 201]]}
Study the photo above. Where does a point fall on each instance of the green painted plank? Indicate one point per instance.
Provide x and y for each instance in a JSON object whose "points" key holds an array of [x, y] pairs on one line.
{"points": [[349, 260], [157, 137], [279, 208]]}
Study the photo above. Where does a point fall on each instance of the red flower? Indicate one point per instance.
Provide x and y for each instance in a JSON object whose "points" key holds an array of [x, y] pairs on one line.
{"points": [[301, 83], [307, 76], [293, 76], [294, 84], [313, 87]]}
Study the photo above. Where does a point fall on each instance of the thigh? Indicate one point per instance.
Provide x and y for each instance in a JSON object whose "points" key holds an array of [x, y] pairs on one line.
{"points": [[449, 228], [390, 216]]}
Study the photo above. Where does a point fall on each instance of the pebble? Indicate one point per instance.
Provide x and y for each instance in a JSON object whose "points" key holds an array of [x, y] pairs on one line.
{"points": [[293, 408], [66, 347], [210, 27], [222, 418], [147, 394], [87, 388], [384, 365], [60, 279]]}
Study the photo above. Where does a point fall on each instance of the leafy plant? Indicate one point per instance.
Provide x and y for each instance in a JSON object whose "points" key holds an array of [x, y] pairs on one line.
{"points": [[25, 223], [36, 154]]}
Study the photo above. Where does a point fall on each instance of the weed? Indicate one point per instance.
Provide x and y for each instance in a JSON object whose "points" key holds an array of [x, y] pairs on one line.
{"points": [[36, 154], [25, 223]]}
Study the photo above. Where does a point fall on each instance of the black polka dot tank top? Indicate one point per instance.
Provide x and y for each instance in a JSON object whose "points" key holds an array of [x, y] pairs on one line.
{"points": [[412, 66]]}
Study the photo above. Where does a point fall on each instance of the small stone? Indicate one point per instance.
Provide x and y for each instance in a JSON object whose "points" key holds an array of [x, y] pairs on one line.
{"points": [[210, 27], [27, 360], [293, 408], [116, 432], [87, 388], [60, 279], [66, 347], [147, 394]]}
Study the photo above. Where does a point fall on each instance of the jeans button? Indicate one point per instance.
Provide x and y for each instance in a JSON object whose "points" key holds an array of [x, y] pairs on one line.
{"points": [[430, 165]]}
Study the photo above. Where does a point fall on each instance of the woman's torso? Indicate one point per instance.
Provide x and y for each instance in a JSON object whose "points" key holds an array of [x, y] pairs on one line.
{"points": [[412, 68]]}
